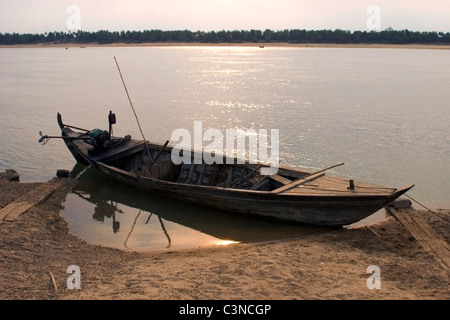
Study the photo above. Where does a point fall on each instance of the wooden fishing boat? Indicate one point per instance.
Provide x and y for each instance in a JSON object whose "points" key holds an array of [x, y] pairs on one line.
{"points": [[292, 194]]}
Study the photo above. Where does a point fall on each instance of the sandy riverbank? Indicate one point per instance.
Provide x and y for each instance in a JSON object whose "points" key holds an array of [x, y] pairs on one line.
{"points": [[245, 44], [37, 246]]}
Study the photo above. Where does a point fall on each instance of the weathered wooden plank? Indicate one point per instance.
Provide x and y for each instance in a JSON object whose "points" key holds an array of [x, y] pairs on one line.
{"points": [[280, 179], [425, 235], [298, 182], [328, 185], [25, 202], [358, 184], [440, 244]]}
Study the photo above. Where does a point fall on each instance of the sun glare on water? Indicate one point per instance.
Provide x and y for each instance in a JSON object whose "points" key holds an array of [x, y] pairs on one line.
{"points": [[225, 242]]}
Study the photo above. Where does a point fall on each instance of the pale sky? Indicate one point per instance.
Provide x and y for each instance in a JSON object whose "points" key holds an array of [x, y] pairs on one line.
{"points": [[39, 16]]}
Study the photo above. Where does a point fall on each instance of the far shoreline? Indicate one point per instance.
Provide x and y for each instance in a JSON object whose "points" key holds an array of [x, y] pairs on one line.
{"points": [[227, 44]]}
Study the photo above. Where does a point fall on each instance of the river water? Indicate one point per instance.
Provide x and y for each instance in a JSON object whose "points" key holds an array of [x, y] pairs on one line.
{"points": [[384, 112]]}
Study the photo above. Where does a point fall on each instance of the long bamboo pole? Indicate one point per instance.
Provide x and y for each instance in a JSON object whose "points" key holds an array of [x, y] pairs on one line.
{"points": [[132, 107]]}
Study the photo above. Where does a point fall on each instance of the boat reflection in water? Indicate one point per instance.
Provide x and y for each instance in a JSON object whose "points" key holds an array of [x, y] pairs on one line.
{"points": [[104, 212]]}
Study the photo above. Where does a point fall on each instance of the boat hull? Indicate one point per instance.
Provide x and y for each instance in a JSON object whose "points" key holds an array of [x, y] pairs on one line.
{"points": [[321, 210]]}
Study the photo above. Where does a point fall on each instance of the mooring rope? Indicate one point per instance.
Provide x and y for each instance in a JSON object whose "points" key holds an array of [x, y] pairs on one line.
{"points": [[437, 214]]}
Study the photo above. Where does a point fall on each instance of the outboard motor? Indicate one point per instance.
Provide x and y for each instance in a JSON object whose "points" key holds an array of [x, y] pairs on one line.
{"points": [[101, 140], [98, 138]]}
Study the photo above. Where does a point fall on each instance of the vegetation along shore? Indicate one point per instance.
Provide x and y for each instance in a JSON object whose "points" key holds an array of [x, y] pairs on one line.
{"points": [[293, 36]]}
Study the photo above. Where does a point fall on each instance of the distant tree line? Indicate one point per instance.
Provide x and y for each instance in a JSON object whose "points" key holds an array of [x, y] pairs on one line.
{"points": [[388, 36]]}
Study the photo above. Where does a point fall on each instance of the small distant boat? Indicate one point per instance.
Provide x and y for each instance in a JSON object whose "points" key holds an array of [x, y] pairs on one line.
{"points": [[292, 194]]}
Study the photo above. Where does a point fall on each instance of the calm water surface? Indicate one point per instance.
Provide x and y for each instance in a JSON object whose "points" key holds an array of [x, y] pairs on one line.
{"points": [[384, 112]]}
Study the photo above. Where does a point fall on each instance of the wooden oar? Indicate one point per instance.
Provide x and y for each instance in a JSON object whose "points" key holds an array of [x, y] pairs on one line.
{"points": [[159, 153], [304, 179], [326, 169]]}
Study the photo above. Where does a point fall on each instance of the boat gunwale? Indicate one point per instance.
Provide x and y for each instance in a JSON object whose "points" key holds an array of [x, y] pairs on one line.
{"points": [[324, 197], [258, 192]]}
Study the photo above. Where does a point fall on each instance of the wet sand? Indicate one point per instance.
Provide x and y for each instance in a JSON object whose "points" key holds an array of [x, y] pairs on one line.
{"points": [[36, 250]]}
